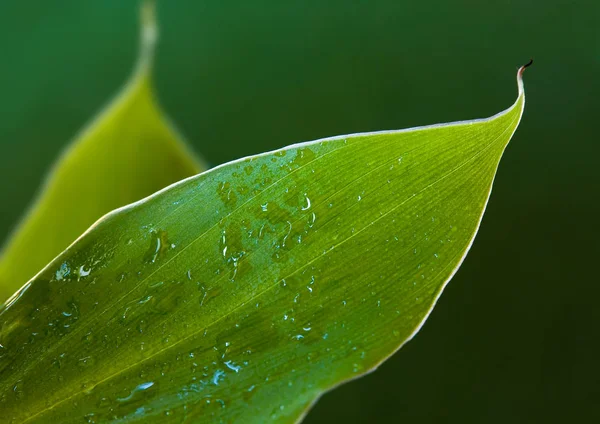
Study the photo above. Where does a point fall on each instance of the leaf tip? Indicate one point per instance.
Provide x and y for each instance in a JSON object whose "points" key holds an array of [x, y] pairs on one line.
{"points": [[148, 30], [520, 75], [522, 68]]}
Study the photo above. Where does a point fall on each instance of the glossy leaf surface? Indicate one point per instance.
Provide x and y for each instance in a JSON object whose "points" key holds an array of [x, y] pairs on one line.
{"points": [[243, 293], [129, 152]]}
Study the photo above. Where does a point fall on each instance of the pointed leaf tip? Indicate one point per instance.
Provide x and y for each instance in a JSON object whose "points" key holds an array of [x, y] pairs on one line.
{"points": [[148, 30], [522, 68], [520, 76]]}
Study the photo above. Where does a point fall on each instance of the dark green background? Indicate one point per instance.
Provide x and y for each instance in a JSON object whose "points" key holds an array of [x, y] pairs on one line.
{"points": [[514, 339]]}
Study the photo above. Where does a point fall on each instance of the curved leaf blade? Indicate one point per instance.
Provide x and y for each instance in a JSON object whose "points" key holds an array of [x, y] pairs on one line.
{"points": [[243, 293], [129, 152]]}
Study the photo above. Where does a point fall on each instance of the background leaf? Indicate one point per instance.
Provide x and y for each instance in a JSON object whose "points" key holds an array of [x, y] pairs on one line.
{"points": [[129, 152], [243, 293]]}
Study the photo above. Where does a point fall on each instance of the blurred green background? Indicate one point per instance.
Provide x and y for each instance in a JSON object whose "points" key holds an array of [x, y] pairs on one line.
{"points": [[515, 337]]}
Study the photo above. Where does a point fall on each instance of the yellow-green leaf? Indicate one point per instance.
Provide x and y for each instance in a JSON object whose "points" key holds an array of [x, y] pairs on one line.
{"points": [[243, 293], [128, 152]]}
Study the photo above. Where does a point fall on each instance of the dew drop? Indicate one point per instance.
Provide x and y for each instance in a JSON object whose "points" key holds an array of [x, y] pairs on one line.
{"points": [[218, 376], [63, 271], [144, 300], [232, 366], [311, 219], [158, 246], [82, 272], [139, 388], [307, 206]]}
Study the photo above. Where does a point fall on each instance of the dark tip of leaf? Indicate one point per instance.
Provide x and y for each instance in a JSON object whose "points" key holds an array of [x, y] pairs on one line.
{"points": [[522, 68]]}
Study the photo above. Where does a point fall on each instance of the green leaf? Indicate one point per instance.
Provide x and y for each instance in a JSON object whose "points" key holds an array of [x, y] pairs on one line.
{"points": [[127, 153], [243, 293]]}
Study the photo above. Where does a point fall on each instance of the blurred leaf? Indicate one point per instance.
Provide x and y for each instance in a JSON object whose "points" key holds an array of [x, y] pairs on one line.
{"points": [[129, 152], [243, 293]]}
